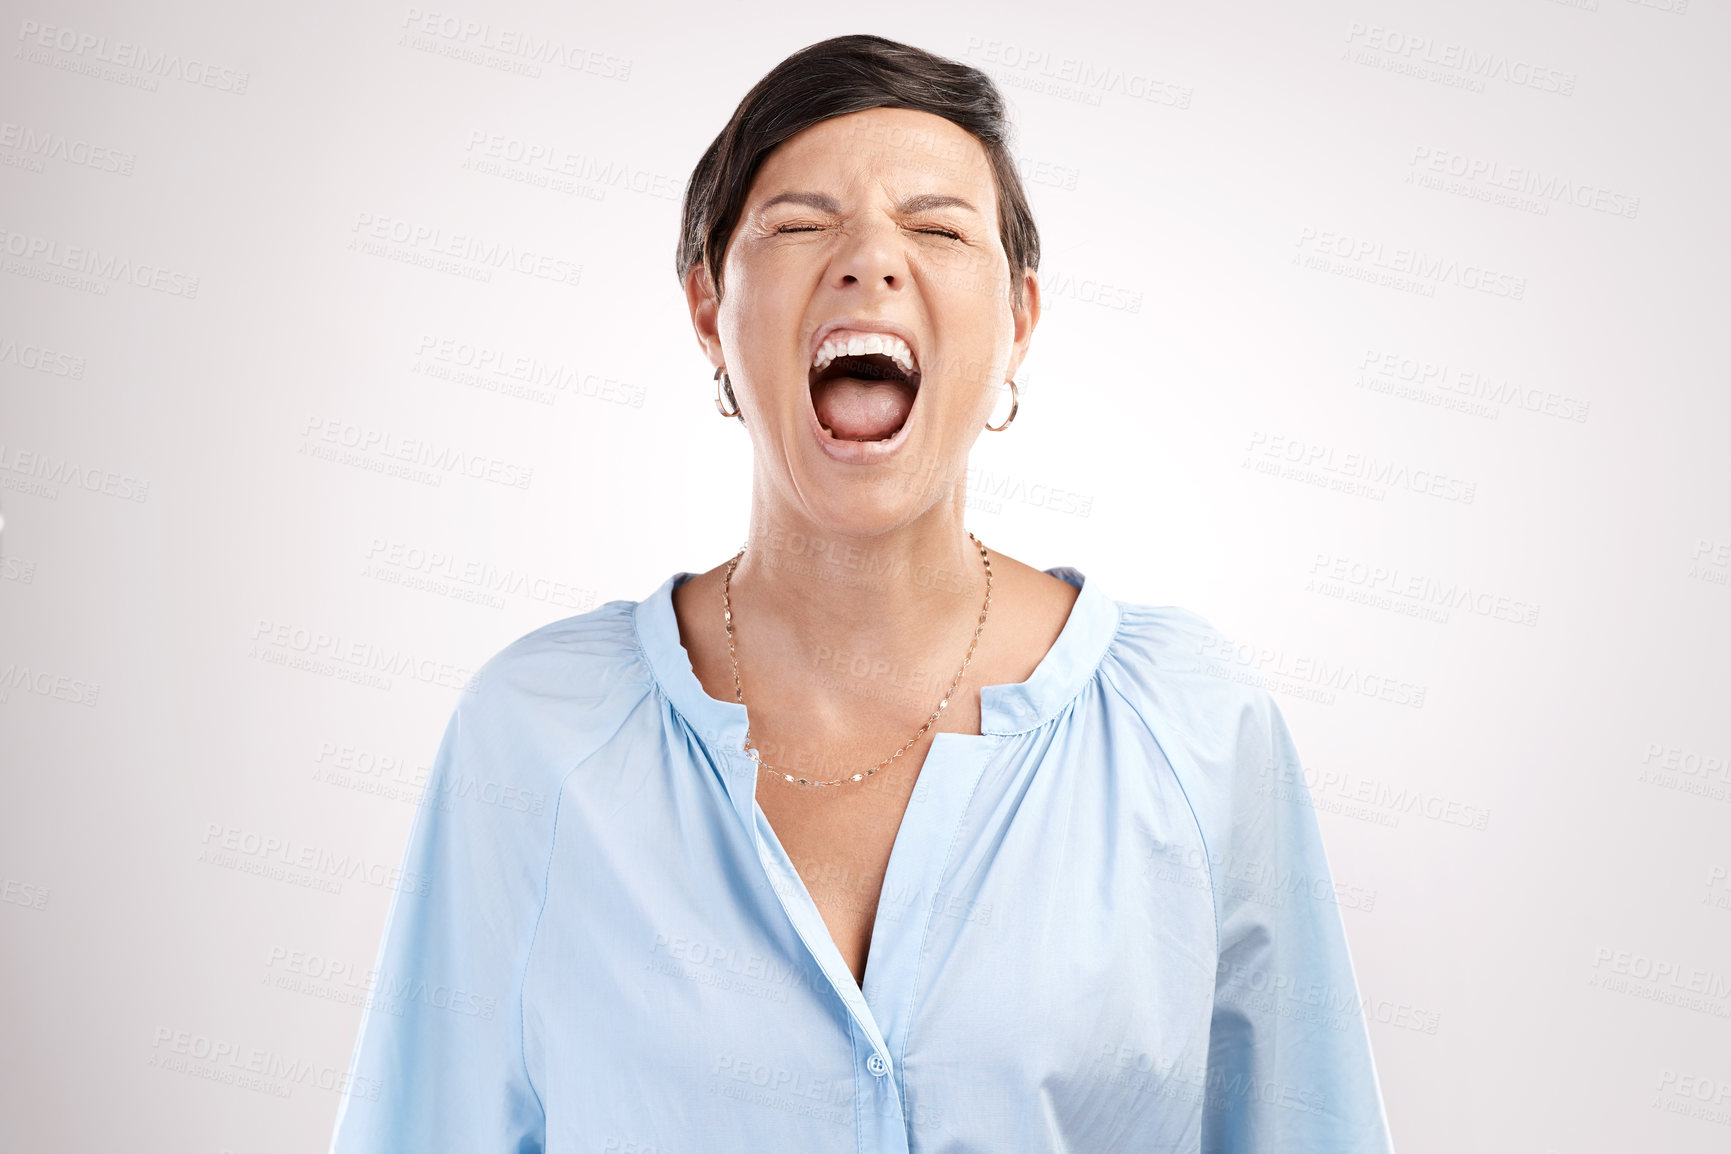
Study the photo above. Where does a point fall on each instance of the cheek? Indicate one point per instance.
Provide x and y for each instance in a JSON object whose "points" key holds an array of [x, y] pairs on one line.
{"points": [[754, 317], [965, 401], [976, 293], [772, 267], [977, 351], [969, 278]]}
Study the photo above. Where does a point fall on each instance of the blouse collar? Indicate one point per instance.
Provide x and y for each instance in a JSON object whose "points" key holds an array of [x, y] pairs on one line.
{"points": [[1004, 709]]}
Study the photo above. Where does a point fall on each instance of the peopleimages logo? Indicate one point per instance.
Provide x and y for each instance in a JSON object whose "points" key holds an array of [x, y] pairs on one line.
{"points": [[1347, 471], [1074, 77], [251, 1067], [1384, 802], [1302, 675], [42, 254], [1460, 388], [88, 49], [41, 360], [45, 144], [1412, 263], [1418, 53], [1382, 582], [46, 473], [307, 972], [556, 161], [437, 248], [325, 436], [16, 678], [401, 563], [1544, 187], [473, 38], [282, 643], [516, 373], [319, 867], [1664, 980]]}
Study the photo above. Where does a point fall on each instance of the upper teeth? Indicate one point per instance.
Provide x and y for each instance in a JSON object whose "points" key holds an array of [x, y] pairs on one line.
{"points": [[864, 344]]}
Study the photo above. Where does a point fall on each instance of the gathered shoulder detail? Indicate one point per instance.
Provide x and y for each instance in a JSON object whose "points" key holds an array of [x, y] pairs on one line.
{"points": [[1222, 737], [555, 694], [566, 654], [1167, 659]]}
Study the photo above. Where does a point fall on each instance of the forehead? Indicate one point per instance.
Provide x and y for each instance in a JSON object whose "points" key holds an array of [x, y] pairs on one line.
{"points": [[900, 148]]}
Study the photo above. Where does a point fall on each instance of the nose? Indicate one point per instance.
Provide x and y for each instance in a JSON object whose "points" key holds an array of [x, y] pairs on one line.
{"points": [[871, 257]]}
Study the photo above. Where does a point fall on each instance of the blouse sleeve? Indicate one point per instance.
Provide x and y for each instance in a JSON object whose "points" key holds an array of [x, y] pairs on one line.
{"points": [[1289, 1065], [1289, 1060], [441, 1063]]}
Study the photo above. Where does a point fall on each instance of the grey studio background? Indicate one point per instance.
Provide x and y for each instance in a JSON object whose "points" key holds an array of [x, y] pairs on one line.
{"points": [[340, 345]]}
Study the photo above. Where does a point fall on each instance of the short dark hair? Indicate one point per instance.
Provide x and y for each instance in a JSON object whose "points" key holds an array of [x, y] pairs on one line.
{"points": [[833, 78]]}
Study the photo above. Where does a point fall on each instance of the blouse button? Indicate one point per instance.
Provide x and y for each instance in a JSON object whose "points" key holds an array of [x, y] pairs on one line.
{"points": [[877, 1065]]}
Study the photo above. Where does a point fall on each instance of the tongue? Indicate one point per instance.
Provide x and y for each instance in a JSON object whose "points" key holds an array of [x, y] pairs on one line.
{"points": [[857, 410]]}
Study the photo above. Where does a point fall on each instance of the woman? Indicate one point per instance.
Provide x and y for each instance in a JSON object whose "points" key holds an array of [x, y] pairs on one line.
{"points": [[870, 837]]}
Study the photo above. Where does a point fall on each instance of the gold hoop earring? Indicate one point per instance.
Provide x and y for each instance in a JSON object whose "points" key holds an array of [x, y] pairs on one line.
{"points": [[1015, 404], [724, 382]]}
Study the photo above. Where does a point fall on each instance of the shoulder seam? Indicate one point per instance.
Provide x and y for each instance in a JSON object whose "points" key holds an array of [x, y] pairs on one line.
{"points": [[546, 883], [594, 614], [1195, 819]]}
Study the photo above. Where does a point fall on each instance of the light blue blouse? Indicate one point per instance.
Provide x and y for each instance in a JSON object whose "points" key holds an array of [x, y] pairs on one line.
{"points": [[1107, 924]]}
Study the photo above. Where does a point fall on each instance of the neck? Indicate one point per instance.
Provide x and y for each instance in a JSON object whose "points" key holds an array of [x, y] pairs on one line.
{"points": [[889, 595]]}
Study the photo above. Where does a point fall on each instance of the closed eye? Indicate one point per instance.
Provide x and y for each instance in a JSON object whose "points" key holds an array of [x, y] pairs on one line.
{"points": [[799, 228], [940, 232]]}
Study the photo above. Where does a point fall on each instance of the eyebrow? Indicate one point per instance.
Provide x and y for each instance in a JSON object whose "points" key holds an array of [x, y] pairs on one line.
{"points": [[823, 202], [925, 202]]}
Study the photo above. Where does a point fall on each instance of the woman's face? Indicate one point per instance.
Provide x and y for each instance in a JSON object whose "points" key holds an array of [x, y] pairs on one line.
{"points": [[867, 324]]}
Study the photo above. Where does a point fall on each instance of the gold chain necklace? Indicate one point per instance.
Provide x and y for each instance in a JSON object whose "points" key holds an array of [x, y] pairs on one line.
{"points": [[739, 693]]}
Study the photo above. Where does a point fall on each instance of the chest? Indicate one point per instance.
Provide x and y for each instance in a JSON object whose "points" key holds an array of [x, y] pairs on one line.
{"points": [[840, 839], [1026, 945]]}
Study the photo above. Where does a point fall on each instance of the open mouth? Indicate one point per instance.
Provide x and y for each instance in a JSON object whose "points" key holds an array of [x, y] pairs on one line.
{"points": [[863, 385]]}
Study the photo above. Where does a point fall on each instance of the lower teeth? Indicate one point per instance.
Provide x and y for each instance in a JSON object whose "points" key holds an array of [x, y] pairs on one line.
{"points": [[873, 441]]}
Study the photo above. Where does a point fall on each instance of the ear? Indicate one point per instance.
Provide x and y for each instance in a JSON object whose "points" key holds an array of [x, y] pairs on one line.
{"points": [[701, 300], [1027, 315]]}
